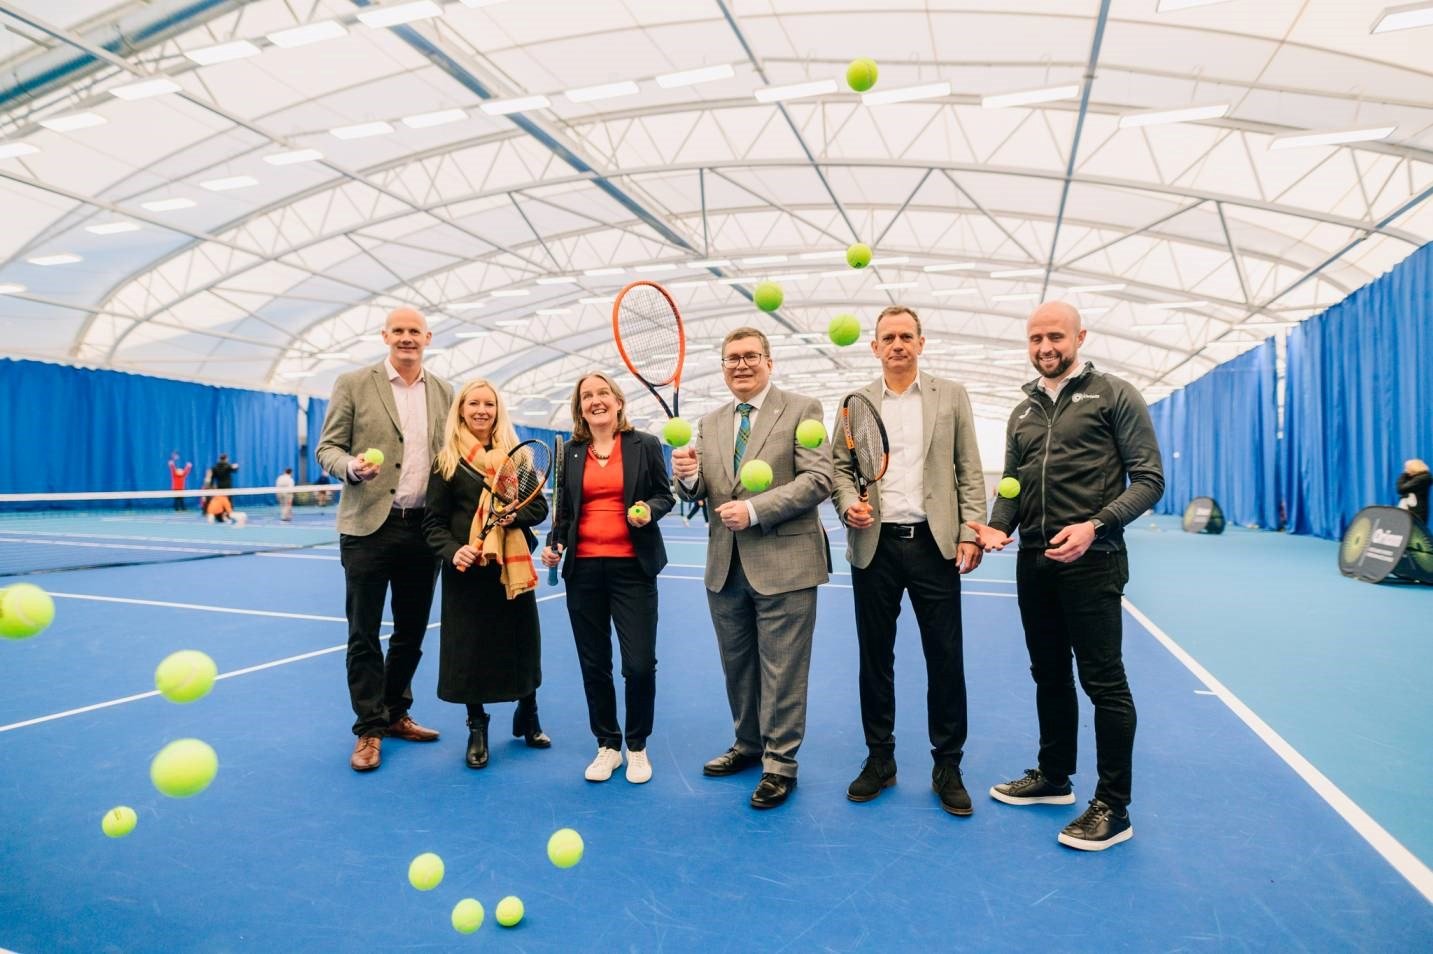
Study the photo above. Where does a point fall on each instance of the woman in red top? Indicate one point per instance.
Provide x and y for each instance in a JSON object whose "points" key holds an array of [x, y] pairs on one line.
{"points": [[615, 488]]}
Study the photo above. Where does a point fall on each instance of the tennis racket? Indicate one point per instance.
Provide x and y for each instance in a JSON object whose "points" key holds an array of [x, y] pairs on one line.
{"points": [[865, 440], [559, 470], [648, 331], [519, 479]]}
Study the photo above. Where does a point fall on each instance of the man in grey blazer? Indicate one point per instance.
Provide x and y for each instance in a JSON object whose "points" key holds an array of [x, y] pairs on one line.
{"points": [[766, 555], [399, 409], [910, 535]]}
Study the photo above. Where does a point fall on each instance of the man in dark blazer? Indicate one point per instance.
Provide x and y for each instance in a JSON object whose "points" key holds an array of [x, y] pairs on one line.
{"points": [[399, 409], [910, 536], [766, 555]]}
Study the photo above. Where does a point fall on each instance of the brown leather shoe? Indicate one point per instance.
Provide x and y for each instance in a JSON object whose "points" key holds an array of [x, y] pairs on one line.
{"points": [[406, 728], [366, 753]]}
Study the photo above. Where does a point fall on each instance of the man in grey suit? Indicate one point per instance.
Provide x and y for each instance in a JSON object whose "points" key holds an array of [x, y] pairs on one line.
{"points": [[766, 555], [399, 409], [910, 535]]}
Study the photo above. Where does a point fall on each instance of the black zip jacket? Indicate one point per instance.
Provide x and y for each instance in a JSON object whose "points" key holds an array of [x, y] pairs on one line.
{"points": [[1091, 455]]}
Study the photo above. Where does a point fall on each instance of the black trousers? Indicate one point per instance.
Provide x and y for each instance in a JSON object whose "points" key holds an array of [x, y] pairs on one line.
{"points": [[907, 559], [395, 555], [1074, 608], [603, 592]]}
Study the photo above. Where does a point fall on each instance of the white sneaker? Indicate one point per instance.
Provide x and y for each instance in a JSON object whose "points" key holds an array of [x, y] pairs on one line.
{"points": [[639, 770], [604, 765]]}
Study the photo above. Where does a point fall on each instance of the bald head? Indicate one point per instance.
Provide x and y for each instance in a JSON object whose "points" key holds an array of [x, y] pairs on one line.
{"points": [[1053, 334], [406, 334], [405, 316]]}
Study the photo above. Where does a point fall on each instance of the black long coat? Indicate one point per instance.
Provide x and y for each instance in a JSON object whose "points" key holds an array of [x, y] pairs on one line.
{"points": [[490, 647]]}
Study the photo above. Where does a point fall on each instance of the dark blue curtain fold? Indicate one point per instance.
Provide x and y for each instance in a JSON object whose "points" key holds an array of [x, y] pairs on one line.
{"points": [[1219, 439], [67, 429], [313, 422], [1358, 398]]}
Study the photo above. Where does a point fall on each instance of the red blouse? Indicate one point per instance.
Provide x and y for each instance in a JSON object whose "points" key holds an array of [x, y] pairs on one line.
{"points": [[602, 526]]}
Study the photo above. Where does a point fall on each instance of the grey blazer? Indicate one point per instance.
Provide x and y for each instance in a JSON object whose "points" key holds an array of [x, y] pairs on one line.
{"points": [[952, 481], [787, 549], [362, 414]]}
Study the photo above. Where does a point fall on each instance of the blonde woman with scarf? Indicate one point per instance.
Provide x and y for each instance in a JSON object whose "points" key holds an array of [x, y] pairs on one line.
{"points": [[490, 648]]}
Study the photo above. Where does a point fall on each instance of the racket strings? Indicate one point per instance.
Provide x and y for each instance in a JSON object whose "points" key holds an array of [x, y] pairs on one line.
{"points": [[650, 334], [521, 475], [864, 431]]}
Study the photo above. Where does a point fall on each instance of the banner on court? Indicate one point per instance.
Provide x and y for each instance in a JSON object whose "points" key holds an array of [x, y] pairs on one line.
{"points": [[1383, 542]]}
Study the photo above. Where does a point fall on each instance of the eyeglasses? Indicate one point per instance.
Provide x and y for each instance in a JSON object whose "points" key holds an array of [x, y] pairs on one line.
{"points": [[737, 360]]}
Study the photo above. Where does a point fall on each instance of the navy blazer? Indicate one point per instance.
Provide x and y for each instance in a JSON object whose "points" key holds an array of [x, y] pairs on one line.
{"points": [[644, 477]]}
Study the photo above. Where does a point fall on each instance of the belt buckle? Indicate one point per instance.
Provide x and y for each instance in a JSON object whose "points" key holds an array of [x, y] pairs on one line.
{"points": [[906, 531]]}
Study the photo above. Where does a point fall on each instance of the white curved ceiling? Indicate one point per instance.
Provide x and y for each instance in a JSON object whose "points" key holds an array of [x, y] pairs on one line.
{"points": [[1195, 239]]}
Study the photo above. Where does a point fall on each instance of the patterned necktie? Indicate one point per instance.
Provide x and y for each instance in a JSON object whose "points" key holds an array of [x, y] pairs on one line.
{"points": [[743, 434]]}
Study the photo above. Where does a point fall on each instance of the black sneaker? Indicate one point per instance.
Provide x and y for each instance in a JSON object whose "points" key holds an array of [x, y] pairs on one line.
{"points": [[1098, 828], [945, 782], [876, 774], [1033, 788]]}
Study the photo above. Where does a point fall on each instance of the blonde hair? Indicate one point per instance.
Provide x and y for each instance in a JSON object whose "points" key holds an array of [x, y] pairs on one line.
{"points": [[1415, 466], [580, 430], [504, 437]]}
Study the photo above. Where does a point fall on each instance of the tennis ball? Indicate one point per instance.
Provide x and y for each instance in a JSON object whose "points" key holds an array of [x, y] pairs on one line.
{"points": [[425, 873], [756, 475], [119, 821], [768, 296], [1008, 488], [25, 611], [183, 768], [677, 432], [636, 511], [564, 848], [185, 676], [861, 74], [858, 255], [467, 916], [509, 911], [373, 456], [844, 329], [811, 433]]}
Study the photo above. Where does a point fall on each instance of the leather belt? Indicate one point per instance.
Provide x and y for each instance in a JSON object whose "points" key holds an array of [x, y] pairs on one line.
{"points": [[905, 531]]}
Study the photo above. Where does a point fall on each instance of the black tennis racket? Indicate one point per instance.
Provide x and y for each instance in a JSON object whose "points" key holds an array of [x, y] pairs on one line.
{"points": [[518, 480], [865, 440], [649, 335], [559, 470]]}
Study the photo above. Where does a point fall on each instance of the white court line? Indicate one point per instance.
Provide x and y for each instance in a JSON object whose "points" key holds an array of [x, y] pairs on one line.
{"points": [[839, 586], [95, 545], [226, 675], [1403, 861]]}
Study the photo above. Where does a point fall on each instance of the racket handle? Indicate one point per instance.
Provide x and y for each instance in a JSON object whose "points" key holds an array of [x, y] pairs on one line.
{"points": [[552, 576]]}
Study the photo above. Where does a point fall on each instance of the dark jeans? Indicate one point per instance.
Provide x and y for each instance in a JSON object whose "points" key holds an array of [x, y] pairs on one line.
{"points": [[603, 592], [1075, 609], [178, 503], [397, 555], [911, 564]]}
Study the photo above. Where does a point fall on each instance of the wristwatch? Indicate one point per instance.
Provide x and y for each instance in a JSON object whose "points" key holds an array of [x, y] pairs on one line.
{"points": [[1099, 526]]}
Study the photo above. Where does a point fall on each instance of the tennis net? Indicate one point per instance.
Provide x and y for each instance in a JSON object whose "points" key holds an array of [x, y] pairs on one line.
{"points": [[45, 533]]}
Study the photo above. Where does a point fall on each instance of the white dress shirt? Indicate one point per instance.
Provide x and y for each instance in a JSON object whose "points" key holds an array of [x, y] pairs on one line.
{"points": [[903, 486], [412, 403], [755, 403]]}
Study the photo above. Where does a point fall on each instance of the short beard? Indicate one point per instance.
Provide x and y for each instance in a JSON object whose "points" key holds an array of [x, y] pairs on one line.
{"points": [[1060, 368]]}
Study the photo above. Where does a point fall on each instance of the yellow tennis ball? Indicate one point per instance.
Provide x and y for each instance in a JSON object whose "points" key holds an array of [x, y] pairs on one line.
{"points": [[1008, 488], [811, 433], [119, 821], [861, 74], [677, 432], [373, 456], [183, 768], [756, 475], [25, 611], [844, 330], [564, 848], [509, 911], [636, 511], [858, 255], [185, 676], [768, 296], [467, 916], [425, 873]]}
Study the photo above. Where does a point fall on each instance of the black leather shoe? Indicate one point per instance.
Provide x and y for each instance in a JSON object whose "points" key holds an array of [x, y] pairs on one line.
{"points": [[526, 727], [772, 790], [876, 774], [730, 762], [477, 756], [945, 782]]}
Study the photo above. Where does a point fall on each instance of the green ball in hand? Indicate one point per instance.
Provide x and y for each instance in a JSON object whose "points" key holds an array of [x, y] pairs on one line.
{"points": [[768, 296], [373, 456], [637, 512], [756, 475], [811, 433], [861, 74], [858, 255], [677, 432], [1009, 488], [844, 330]]}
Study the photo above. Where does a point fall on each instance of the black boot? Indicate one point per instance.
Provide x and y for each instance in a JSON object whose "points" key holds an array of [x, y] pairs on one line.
{"points": [[478, 742], [525, 725]]}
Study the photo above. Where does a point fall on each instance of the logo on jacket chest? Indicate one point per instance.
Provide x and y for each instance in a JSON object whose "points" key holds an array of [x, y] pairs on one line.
{"points": [[1084, 396]]}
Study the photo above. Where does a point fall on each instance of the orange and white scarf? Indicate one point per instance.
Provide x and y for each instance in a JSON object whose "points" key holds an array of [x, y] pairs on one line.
{"points": [[507, 546]]}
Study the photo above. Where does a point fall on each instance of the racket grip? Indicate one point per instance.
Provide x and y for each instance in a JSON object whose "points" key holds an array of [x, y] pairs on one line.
{"points": [[552, 576]]}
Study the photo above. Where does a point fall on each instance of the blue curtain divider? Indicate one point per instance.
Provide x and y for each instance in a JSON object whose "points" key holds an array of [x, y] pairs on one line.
{"points": [[1358, 398], [313, 422], [1218, 437], [72, 430]]}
